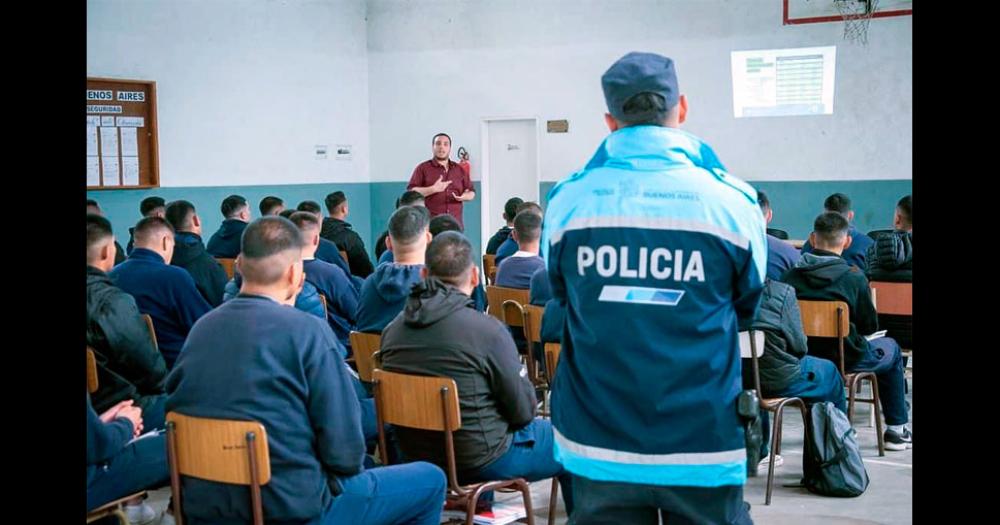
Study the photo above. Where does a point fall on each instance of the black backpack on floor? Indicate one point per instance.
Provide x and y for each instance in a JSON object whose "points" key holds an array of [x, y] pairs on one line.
{"points": [[832, 464]]}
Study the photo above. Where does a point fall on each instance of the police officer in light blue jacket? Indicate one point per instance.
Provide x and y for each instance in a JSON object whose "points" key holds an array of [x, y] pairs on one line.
{"points": [[657, 253]]}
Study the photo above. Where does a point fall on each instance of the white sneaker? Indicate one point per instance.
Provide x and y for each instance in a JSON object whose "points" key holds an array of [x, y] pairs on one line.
{"points": [[778, 461], [141, 514]]}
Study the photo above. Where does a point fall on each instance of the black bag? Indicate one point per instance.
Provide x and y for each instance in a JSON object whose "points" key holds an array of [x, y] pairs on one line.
{"points": [[832, 464]]}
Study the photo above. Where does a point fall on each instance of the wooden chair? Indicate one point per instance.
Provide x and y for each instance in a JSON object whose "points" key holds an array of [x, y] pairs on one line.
{"points": [[228, 264], [365, 346], [220, 450], [490, 268], [832, 319], [516, 316], [431, 403], [496, 295], [893, 299], [752, 347], [152, 331], [552, 351], [91, 372], [114, 508]]}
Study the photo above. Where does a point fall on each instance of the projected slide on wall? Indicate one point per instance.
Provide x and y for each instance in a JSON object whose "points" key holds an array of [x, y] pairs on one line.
{"points": [[783, 82]]}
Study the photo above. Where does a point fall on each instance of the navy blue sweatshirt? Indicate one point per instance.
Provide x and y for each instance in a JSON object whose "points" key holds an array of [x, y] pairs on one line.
{"points": [[855, 254], [328, 252], [104, 440], [781, 257], [506, 249], [167, 293], [341, 297], [255, 359], [384, 293], [554, 317], [225, 243], [516, 272]]}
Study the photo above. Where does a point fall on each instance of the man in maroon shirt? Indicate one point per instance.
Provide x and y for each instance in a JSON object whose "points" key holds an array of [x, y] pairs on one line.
{"points": [[443, 183]]}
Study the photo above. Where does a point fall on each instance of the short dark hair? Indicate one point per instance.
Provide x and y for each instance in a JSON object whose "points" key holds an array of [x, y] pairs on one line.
{"points": [[334, 200], [149, 226], [410, 197], [449, 257], [831, 227], [179, 214], [263, 239], [98, 229], [269, 203], [645, 109], [408, 223], [287, 213], [232, 205], [434, 138], [528, 226], [763, 201], [309, 206], [838, 202], [151, 203], [905, 207], [93, 203], [510, 207], [444, 223], [529, 205], [305, 220]]}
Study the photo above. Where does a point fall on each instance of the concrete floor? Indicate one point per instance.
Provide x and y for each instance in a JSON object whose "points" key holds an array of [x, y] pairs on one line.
{"points": [[888, 500]]}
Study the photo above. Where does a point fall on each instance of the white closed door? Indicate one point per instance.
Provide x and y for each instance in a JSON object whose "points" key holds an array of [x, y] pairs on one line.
{"points": [[512, 169]]}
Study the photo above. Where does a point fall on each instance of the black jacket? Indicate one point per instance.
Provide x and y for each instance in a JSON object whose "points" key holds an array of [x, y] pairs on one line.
{"points": [[439, 333], [209, 277], [225, 243], [498, 238], [341, 234], [128, 365], [784, 340], [890, 259], [824, 276], [380, 245]]}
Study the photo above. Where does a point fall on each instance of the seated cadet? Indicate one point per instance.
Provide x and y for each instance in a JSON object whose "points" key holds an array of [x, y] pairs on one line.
{"points": [[509, 212], [384, 292], [190, 254], [409, 198], [128, 365], [509, 247], [855, 252], [890, 259], [225, 243], [336, 229], [329, 280], [823, 275], [95, 209], [167, 293], [446, 223], [290, 379], [439, 334], [327, 251], [516, 270], [781, 256], [271, 205], [149, 207], [117, 467]]}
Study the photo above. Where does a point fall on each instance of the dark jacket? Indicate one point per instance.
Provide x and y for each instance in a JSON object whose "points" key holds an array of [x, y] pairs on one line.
{"points": [[890, 258], [439, 333], [341, 297], [208, 275], [554, 317], [120, 254], [167, 293], [341, 234], [128, 364], [384, 293], [255, 359], [784, 340], [225, 243], [380, 246], [824, 276], [498, 238]]}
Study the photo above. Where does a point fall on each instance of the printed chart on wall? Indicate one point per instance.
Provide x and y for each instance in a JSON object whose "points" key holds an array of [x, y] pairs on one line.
{"points": [[122, 150], [783, 82]]}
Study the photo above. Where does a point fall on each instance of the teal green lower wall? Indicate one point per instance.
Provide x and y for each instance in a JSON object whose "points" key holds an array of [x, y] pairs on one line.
{"points": [[121, 207], [797, 203]]}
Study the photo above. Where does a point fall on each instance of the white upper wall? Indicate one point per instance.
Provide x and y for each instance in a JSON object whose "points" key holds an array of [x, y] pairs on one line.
{"points": [[245, 89], [442, 65]]}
